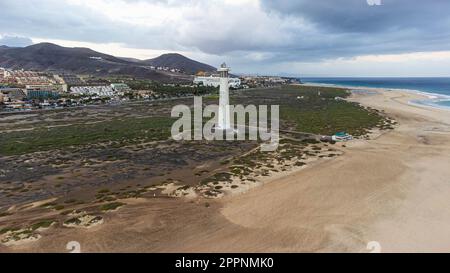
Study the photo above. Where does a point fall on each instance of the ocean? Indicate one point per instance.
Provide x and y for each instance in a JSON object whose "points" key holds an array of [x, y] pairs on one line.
{"points": [[437, 89]]}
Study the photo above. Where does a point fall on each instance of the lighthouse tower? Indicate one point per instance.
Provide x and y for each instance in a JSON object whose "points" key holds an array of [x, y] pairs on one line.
{"points": [[224, 100]]}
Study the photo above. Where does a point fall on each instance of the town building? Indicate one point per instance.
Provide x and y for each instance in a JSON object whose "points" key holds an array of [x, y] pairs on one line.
{"points": [[4, 78], [17, 105], [41, 94], [266, 81], [146, 94], [43, 87], [12, 94], [69, 79], [23, 77], [2, 74]]}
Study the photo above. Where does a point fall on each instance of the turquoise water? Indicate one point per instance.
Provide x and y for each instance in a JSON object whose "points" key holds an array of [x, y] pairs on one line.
{"points": [[438, 89], [445, 103]]}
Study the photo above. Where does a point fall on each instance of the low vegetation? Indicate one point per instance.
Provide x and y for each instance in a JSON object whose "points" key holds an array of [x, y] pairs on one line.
{"points": [[127, 130], [4, 214], [111, 206], [171, 90], [42, 224], [321, 110]]}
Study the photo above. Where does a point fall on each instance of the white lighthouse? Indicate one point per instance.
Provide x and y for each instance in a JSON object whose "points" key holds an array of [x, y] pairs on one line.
{"points": [[224, 99]]}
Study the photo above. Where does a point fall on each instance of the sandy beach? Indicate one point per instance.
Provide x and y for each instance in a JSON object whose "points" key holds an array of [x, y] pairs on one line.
{"points": [[392, 189]]}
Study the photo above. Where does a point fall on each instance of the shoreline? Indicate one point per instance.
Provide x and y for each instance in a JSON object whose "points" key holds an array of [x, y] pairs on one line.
{"points": [[431, 99]]}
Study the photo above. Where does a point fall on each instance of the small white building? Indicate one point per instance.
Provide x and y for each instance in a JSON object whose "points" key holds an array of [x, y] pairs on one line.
{"points": [[342, 137], [215, 81]]}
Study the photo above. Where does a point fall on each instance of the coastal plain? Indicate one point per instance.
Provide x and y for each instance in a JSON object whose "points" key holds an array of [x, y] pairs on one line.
{"points": [[389, 186]]}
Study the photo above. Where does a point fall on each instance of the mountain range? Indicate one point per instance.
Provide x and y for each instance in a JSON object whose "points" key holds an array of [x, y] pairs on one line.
{"points": [[51, 57]]}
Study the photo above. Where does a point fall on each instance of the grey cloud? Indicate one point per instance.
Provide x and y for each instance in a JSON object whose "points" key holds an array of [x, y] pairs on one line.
{"points": [[284, 31], [53, 19], [352, 27], [356, 16]]}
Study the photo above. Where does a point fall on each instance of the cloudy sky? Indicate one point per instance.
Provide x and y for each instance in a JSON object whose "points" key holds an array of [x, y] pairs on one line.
{"points": [[291, 37]]}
